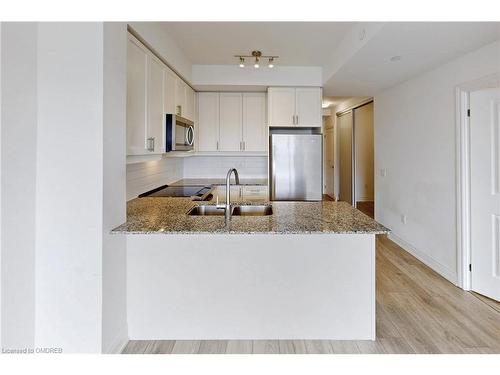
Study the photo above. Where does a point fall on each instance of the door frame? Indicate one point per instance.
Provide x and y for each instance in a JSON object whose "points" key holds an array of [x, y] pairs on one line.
{"points": [[463, 168]]}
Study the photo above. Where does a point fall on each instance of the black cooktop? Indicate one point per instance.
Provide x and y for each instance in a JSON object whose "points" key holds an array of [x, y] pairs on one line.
{"points": [[177, 191]]}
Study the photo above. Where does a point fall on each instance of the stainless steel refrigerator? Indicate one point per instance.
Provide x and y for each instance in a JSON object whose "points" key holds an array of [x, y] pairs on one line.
{"points": [[296, 167]]}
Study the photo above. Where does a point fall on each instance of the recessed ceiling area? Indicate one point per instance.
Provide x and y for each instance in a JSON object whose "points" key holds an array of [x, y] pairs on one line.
{"points": [[348, 65], [414, 47], [297, 43]]}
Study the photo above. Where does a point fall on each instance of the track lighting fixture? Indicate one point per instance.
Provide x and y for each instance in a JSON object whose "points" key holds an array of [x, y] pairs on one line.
{"points": [[257, 55]]}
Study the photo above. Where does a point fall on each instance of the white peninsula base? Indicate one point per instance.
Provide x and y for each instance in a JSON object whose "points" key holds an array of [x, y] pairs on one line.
{"points": [[251, 286]]}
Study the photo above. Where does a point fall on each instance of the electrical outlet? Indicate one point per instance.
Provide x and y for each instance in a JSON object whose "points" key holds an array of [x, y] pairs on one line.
{"points": [[403, 218], [383, 172]]}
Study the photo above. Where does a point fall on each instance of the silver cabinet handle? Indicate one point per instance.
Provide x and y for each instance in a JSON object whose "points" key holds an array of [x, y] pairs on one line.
{"points": [[244, 146], [217, 145], [293, 119], [241, 147], [297, 121]]}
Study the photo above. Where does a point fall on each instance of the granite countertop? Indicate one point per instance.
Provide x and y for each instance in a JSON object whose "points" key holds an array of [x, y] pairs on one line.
{"points": [[218, 181], [155, 215]]}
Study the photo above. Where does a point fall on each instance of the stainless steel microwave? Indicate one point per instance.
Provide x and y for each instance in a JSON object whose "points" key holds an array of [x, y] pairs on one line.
{"points": [[179, 133]]}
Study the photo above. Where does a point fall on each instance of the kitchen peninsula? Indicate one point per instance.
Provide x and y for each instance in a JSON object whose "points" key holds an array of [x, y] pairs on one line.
{"points": [[307, 271]]}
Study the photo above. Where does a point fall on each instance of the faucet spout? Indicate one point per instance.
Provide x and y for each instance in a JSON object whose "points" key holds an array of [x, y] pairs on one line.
{"points": [[228, 190]]}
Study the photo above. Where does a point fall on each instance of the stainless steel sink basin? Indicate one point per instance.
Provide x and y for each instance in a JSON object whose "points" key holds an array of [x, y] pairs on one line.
{"points": [[252, 210], [208, 210]]}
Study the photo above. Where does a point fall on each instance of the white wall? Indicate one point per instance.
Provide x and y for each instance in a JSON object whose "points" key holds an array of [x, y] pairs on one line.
{"points": [[159, 39], [114, 285], [415, 143], [69, 186], [1, 184], [18, 165], [142, 177], [217, 166]]}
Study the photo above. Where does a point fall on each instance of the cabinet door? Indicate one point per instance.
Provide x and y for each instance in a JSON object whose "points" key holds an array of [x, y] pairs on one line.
{"points": [[136, 98], [170, 89], [254, 122], [281, 106], [180, 97], [230, 123], [208, 121], [308, 106], [190, 111], [156, 114]]}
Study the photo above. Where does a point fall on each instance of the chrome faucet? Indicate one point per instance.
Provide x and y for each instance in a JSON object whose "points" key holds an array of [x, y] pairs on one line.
{"points": [[227, 206]]}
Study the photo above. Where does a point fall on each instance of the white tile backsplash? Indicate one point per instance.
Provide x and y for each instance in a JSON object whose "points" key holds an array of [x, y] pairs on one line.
{"points": [[217, 166], [142, 177]]}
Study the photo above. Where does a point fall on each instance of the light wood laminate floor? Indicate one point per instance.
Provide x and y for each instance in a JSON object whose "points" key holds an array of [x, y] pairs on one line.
{"points": [[418, 311]]}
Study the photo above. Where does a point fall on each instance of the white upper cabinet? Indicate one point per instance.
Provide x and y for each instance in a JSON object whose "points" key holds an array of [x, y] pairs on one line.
{"points": [[180, 98], [230, 122], [155, 141], [289, 106], [308, 107], [281, 106], [170, 87], [254, 122], [153, 90], [190, 111], [137, 60], [207, 128]]}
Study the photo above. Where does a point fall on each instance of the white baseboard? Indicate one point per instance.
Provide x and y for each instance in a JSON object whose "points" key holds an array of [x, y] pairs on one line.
{"points": [[440, 268], [118, 345]]}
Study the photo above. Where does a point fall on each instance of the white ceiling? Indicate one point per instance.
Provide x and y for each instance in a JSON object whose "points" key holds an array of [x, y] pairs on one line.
{"points": [[297, 43], [422, 47], [359, 71]]}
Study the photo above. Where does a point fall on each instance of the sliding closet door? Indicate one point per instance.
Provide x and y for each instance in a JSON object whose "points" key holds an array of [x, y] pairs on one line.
{"points": [[345, 136], [363, 164]]}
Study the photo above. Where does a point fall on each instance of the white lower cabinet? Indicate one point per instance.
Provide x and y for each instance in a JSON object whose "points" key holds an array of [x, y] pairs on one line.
{"points": [[232, 122]]}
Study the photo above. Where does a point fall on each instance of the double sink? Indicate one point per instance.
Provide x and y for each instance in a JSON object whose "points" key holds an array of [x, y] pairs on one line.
{"points": [[243, 210]]}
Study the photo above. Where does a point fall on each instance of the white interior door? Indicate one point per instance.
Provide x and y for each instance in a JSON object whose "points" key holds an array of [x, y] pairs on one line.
{"points": [[485, 191]]}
